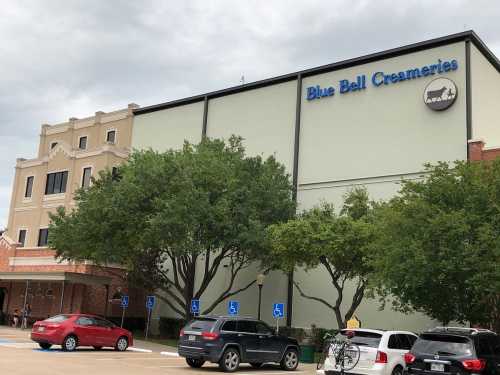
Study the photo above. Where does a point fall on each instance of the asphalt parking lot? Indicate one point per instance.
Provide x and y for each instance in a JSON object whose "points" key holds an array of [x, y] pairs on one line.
{"points": [[19, 355]]}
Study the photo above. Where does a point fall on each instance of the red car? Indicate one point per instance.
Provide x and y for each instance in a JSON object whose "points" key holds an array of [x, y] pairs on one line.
{"points": [[73, 330]]}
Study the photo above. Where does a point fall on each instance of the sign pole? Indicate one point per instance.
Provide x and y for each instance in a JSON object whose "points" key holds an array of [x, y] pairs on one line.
{"points": [[123, 316], [147, 324], [277, 325]]}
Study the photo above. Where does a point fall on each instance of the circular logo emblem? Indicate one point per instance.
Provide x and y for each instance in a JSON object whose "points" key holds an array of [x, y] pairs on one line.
{"points": [[440, 94]]}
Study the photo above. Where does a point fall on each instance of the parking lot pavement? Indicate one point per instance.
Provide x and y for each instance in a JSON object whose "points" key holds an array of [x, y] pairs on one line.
{"points": [[20, 356]]}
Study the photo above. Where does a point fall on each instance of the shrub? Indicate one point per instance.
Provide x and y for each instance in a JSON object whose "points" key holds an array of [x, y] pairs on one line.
{"points": [[170, 327]]}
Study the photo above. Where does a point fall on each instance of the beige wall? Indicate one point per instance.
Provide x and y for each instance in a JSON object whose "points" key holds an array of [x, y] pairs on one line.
{"points": [[265, 118], [167, 129], [485, 83], [33, 213]]}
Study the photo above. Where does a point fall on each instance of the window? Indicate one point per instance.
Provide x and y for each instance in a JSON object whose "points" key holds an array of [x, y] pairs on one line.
{"points": [[57, 319], [111, 136], [56, 183], [85, 321], [115, 174], [82, 143], [52, 145], [29, 187], [247, 326], [394, 342], [103, 323], [43, 236], [22, 237], [201, 324], [230, 326], [263, 329], [87, 173]]}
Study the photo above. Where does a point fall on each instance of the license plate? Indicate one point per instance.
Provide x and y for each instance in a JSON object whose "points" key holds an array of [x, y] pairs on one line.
{"points": [[437, 367], [192, 338], [41, 329]]}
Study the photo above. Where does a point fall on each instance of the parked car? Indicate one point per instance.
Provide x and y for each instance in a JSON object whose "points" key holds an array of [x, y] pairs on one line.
{"points": [[73, 330], [451, 350], [380, 352], [230, 341]]}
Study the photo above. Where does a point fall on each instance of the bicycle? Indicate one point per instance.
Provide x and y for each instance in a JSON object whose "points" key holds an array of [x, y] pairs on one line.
{"points": [[345, 353]]}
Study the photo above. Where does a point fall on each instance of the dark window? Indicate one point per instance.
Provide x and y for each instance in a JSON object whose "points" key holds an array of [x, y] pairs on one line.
{"points": [[230, 326], [263, 328], [52, 145], [29, 187], [405, 342], [110, 137], [103, 323], [82, 143], [22, 237], [411, 339], [87, 173], [201, 324], [488, 345], [56, 183], [85, 321], [115, 174], [43, 236], [431, 343], [394, 342], [247, 326], [362, 338]]}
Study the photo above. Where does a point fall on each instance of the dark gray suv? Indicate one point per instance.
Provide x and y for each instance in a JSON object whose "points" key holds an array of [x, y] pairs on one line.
{"points": [[230, 341]]}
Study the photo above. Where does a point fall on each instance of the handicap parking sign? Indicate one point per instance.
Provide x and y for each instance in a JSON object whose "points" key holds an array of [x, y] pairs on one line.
{"points": [[124, 301], [150, 302], [233, 308], [195, 306], [278, 310]]}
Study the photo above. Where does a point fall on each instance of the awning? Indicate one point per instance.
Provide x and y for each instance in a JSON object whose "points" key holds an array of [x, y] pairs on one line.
{"points": [[72, 277]]}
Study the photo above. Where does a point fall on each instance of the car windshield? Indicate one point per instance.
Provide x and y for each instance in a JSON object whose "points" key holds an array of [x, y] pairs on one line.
{"points": [[363, 338], [201, 324], [57, 319], [447, 345]]}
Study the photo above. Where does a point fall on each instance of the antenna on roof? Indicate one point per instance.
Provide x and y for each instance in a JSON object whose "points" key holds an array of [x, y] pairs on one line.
{"points": [[242, 79]]}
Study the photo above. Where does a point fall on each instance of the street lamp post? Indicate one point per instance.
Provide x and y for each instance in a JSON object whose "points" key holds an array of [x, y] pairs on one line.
{"points": [[260, 284]]}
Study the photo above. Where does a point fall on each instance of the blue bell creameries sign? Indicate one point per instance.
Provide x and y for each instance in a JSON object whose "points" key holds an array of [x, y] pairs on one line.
{"points": [[380, 78]]}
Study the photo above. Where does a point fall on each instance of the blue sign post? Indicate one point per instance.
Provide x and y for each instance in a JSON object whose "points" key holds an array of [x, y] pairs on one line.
{"points": [[124, 304], [278, 313], [195, 306], [150, 304], [233, 308]]}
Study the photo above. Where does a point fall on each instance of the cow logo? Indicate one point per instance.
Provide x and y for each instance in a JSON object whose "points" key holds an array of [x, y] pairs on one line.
{"points": [[440, 94]]}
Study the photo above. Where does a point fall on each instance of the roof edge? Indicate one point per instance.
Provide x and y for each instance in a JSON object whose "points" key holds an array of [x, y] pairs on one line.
{"points": [[468, 35]]}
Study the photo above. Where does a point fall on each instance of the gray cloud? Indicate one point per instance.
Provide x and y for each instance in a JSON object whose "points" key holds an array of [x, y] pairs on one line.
{"points": [[71, 58]]}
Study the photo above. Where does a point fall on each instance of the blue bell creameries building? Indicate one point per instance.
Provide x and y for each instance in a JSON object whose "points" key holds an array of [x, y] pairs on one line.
{"points": [[368, 121]]}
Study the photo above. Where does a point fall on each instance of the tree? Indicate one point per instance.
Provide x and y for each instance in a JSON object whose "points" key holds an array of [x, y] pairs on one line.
{"points": [[338, 242], [174, 219], [441, 244]]}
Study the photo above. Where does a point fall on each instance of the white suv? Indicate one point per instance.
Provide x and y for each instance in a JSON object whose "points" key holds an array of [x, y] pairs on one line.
{"points": [[381, 352]]}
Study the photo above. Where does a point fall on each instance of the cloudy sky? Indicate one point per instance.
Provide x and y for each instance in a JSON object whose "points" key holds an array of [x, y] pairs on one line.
{"points": [[61, 59]]}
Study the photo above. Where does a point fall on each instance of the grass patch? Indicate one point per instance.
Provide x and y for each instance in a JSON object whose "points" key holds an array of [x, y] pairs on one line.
{"points": [[139, 335]]}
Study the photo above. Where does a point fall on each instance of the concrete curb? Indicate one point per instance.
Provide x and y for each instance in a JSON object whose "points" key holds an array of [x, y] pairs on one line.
{"points": [[170, 354]]}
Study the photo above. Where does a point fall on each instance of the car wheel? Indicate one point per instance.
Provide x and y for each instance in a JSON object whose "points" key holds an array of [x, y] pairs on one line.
{"points": [[97, 347], [45, 345], [121, 344], [195, 362], [70, 343], [256, 364], [290, 360], [230, 360], [398, 370]]}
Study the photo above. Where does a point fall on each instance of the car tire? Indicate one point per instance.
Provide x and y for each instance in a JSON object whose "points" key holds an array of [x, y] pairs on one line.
{"points": [[256, 364], [398, 370], [121, 344], [290, 360], [230, 360], [195, 362], [44, 345], [97, 347], [70, 343]]}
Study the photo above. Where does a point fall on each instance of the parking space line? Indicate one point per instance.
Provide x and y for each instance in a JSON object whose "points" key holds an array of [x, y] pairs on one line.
{"points": [[140, 350], [170, 354]]}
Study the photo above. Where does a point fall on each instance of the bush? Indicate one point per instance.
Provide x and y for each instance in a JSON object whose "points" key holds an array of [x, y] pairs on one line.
{"points": [[318, 336], [295, 332], [132, 324], [170, 327]]}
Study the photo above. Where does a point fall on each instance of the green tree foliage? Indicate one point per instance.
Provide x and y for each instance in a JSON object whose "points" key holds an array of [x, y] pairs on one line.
{"points": [[170, 216], [338, 242], [440, 249]]}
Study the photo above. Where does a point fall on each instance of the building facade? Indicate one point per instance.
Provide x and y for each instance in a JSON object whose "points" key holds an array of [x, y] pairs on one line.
{"points": [[369, 121], [70, 154]]}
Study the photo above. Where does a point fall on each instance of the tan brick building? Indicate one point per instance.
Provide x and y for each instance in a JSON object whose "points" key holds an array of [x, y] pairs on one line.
{"points": [[69, 154]]}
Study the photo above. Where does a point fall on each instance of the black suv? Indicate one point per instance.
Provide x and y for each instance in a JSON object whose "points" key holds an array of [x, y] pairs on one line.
{"points": [[229, 341], [455, 351]]}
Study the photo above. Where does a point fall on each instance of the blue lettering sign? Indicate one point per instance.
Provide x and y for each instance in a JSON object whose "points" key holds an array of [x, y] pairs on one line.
{"points": [[195, 306], [233, 308], [150, 302], [278, 310], [124, 302]]}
